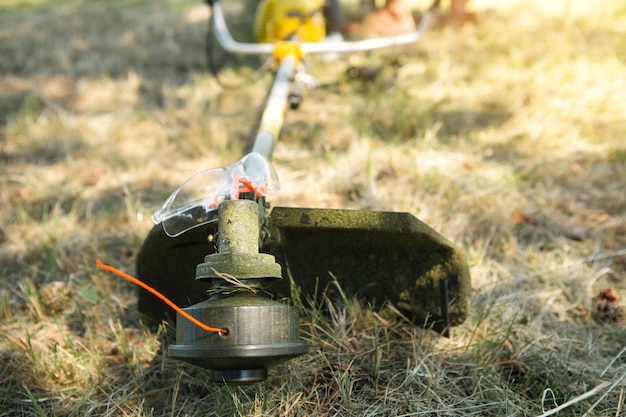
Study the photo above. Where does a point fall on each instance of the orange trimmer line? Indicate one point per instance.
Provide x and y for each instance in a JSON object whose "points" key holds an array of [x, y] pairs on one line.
{"points": [[161, 297]]}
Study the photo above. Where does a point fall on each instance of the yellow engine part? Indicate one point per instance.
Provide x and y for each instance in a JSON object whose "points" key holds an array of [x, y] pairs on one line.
{"points": [[298, 20]]}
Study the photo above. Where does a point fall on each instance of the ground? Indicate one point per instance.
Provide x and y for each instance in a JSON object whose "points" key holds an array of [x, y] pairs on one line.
{"points": [[507, 136]]}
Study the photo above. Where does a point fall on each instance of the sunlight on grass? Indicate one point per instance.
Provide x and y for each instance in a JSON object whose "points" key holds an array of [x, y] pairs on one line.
{"points": [[508, 137]]}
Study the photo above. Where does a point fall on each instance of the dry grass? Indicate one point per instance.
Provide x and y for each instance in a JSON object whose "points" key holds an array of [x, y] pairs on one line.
{"points": [[508, 137]]}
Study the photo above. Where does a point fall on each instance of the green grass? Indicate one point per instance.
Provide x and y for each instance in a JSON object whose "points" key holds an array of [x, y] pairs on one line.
{"points": [[508, 137]]}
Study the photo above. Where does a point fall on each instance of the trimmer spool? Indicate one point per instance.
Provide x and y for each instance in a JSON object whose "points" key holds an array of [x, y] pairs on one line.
{"points": [[261, 331]]}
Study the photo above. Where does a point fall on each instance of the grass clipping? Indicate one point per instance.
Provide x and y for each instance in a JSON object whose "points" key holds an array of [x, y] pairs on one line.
{"points": [[506, 137]]}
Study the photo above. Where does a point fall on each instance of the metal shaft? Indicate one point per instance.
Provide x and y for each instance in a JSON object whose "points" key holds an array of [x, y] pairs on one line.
{"points": [[238, 247], [274, 112], [239, 230]]}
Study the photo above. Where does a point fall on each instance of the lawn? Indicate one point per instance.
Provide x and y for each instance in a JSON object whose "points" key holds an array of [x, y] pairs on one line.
{"points": [[507, 136]]}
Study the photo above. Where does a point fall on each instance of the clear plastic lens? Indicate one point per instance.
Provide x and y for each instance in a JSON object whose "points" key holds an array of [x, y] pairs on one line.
{"points": [[258, 169], [195, 202]]}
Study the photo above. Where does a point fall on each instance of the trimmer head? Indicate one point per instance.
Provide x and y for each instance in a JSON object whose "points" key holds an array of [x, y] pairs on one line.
{"points": [[259, 331], [377, 256]]}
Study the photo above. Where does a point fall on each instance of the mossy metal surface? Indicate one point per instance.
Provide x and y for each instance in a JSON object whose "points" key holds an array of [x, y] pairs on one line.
{"points": [[238, 246], [241, 266], [377, 256]]}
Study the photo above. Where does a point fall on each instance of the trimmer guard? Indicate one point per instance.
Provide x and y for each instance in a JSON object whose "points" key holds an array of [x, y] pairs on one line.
{"points": [[378, 257]]}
